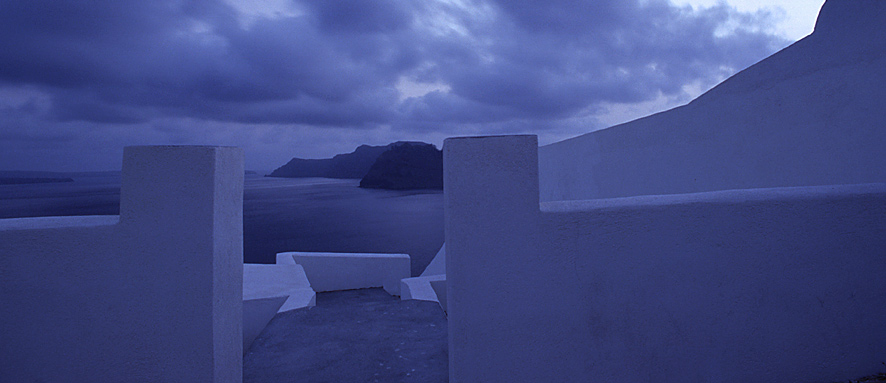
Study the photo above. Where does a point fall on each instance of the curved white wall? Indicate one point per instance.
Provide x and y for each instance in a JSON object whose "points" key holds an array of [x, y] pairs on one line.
{"points": [[812, 114]]}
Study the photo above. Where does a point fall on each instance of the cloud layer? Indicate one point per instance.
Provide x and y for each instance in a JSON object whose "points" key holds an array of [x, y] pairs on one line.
{"points": [[316, 72]]}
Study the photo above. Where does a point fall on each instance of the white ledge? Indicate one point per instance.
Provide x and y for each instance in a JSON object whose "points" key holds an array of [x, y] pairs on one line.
{"points": [[716, 197], [348, 271], [34, 223]]}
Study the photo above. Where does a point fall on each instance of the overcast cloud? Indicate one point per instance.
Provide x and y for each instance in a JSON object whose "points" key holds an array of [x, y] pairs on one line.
{"points": [[81, 79]]}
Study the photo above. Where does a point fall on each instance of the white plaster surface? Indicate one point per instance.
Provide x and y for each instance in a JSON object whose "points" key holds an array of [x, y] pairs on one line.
{"points": [[265, 281], [156, 297], [347, 271], [771, 285], [257, 313], [271, 289], [32, 223], [439, 287], [811, 114], [281, 287], [437, 265], [419, 288], [285, 259]]}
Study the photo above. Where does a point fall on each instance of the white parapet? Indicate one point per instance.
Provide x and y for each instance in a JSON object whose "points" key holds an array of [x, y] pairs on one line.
{"points": [[419, 288], [437, 265], [439, 287], [153, 297], [285, 259], [348, 271], [763, 285], [265, 281], [257, 313], [272, 289], [181, 210]]}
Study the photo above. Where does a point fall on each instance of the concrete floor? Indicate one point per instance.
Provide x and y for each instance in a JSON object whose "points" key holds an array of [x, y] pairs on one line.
{"points": [[352, 336], [358, 336]]}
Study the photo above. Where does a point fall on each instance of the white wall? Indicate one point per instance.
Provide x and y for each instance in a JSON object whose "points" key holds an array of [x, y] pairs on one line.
{"points": [[767, 285], [283, 279], [809, 115], [156, 297], [348, 271], [437, 265], [420, 288]]}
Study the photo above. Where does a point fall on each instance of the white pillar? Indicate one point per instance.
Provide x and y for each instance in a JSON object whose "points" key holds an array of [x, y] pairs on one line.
{"points": [[181, 224], [491, 202]]}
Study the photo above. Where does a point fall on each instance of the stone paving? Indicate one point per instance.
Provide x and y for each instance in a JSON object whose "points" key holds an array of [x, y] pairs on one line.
{"points": [[352, 336]]}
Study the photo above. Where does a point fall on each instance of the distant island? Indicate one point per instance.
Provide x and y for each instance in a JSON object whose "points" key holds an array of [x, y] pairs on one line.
{"points": [[351, 165], [401, 165], [406, 166], [31, 180]]}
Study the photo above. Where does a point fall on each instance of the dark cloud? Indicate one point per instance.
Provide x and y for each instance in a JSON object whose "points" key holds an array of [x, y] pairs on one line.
{"points": [[360, 16], [497, 65], [614, 51]]}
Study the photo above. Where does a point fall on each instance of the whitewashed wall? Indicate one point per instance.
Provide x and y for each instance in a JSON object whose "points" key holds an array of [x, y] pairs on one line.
{"points": [[811, 114], [155, 297], [770, 285]]}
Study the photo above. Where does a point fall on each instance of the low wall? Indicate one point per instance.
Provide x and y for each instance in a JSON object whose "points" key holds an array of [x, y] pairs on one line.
{"points": [[811, 114], [289, 280], [770, 285], [153, 297], [437, 265], [348, 271], [420, 288]]}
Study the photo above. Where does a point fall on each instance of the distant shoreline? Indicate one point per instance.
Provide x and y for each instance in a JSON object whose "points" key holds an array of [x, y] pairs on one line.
{"points": [[32, 180]]}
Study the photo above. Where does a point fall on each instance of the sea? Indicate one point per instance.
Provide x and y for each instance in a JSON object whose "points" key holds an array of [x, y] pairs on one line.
{"points": [[279, 214]]}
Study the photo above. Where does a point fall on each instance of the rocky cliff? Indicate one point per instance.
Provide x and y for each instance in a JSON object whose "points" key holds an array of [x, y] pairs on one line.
{"points": [[351, 165], [406, 165]]}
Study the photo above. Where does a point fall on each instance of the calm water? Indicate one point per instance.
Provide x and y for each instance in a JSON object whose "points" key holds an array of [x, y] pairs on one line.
{"points": [[279, 214]]}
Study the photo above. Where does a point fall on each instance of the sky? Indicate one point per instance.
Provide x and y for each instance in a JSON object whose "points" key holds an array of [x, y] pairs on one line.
{"points": [[79, 80]]}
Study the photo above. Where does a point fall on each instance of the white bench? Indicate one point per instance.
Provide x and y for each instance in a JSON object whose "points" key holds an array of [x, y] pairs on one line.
{"points": [[348, 271]]}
